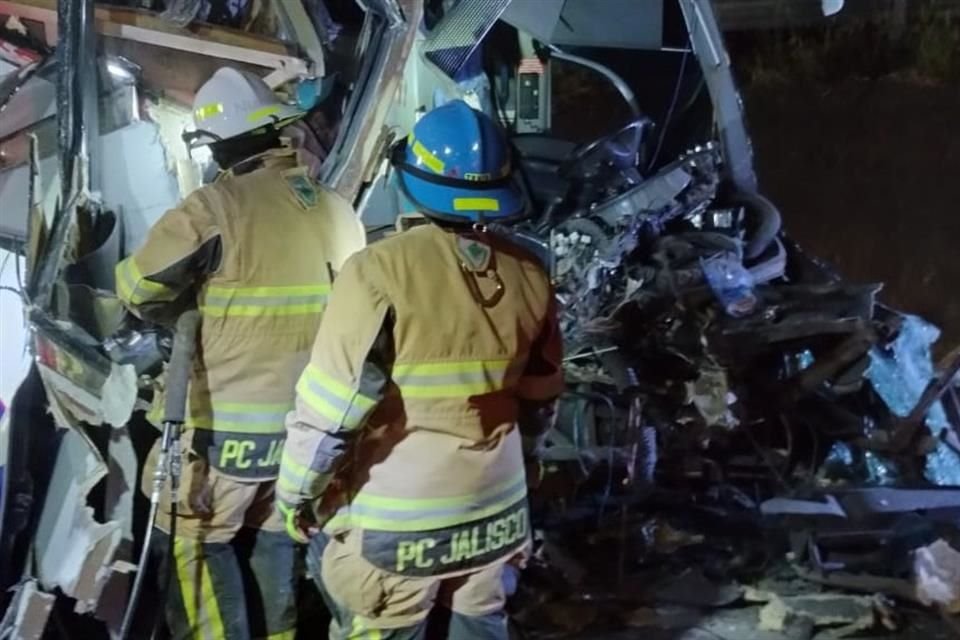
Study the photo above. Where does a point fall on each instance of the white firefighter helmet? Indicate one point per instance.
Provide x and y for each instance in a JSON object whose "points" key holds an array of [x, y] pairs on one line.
{"points": [[232, 103]]}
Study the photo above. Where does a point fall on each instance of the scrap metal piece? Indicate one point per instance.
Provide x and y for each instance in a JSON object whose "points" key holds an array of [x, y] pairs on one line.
{"points": [[707, 42], [888, 500], [936, 575], [788, 506], [77, 94], [863, 583], [297, 21], [832, 363], [77, 124], [14, 82], [452, 42], [905, 429], [859, 503], [359, 142], [74, 551], [182, 12], [28, 612], [710, 394], [851, 613], [900, 373], [650, 195]]}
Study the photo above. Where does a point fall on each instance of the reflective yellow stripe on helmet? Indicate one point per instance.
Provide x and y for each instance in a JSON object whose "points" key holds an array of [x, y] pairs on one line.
{"points": [[208, 111], [476, 204], [263, 112], [426, 157]]}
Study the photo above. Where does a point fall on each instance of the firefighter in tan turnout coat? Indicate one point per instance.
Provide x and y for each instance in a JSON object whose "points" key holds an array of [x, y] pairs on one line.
{"points": [[431, 381], [254, 251]]}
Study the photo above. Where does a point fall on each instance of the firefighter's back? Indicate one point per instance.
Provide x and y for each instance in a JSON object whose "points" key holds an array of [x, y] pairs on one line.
{"points": [[261, 309]]}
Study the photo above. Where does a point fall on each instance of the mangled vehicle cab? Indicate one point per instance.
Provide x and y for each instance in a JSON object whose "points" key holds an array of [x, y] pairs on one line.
{"points": [[705, 351]]}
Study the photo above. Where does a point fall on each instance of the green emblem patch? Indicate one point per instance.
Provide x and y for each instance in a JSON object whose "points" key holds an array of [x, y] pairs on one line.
{"points": [[304, 189], [476, 255]]}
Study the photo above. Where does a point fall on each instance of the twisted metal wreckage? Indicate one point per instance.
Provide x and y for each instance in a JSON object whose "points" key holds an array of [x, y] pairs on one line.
{"points": [[734, 405]]}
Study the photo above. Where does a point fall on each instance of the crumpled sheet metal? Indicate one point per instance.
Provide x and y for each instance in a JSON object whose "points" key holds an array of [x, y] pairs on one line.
{"points": [[74, 551], [28, 612], [72, 405], [850, 614], [936, 575], [711, 395], [900, 374]]}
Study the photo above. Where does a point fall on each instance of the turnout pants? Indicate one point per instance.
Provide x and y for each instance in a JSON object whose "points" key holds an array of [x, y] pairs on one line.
{"points": [[233, 575], [367, 603]]}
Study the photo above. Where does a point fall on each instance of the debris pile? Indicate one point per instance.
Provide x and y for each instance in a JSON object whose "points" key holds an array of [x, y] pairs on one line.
{"points": [[721, 380]]}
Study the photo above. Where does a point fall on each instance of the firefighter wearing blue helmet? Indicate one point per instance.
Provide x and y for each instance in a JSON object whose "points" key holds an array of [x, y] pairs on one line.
{"points": [[455, 167], [431, 382]]}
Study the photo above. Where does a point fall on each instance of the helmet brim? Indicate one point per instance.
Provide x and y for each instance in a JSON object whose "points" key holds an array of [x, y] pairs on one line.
{"points": [[452, 204], [285, 116]]}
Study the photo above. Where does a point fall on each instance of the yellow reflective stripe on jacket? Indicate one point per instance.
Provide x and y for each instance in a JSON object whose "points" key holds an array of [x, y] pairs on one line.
{"points": [[134, 288], [384, 513], [295, 477], [243, 417], [359, 631], [332, 399], [221, 301], [450, 379]]}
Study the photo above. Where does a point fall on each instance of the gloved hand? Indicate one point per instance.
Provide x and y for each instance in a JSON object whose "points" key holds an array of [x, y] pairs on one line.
{"points": [[298, 527]]}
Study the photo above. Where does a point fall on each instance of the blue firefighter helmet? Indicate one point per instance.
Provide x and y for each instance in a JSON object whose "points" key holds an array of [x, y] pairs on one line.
{"points": [[455, 166]]}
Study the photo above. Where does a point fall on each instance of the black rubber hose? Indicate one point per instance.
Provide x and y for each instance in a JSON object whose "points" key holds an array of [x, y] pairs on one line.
{"points": [[764, 222], [178, 378], [181, 361], [169, 559]]}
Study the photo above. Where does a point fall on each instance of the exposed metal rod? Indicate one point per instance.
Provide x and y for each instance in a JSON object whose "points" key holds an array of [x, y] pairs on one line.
{"points": [[77, 91], [617, 81]]}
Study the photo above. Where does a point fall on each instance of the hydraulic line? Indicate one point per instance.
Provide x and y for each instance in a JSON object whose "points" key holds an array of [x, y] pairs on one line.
{"points": [[168, 464]]}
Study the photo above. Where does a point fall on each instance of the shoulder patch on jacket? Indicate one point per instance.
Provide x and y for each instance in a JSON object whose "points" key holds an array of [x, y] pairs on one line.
{"points": [[303, 188], [475, 254]]}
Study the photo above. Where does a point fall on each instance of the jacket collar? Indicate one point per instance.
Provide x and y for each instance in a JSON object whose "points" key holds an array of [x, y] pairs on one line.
{"points": [[281, 158]]}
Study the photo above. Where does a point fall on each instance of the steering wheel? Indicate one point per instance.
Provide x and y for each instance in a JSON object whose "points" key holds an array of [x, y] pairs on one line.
{"points": [[617, 149]]}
